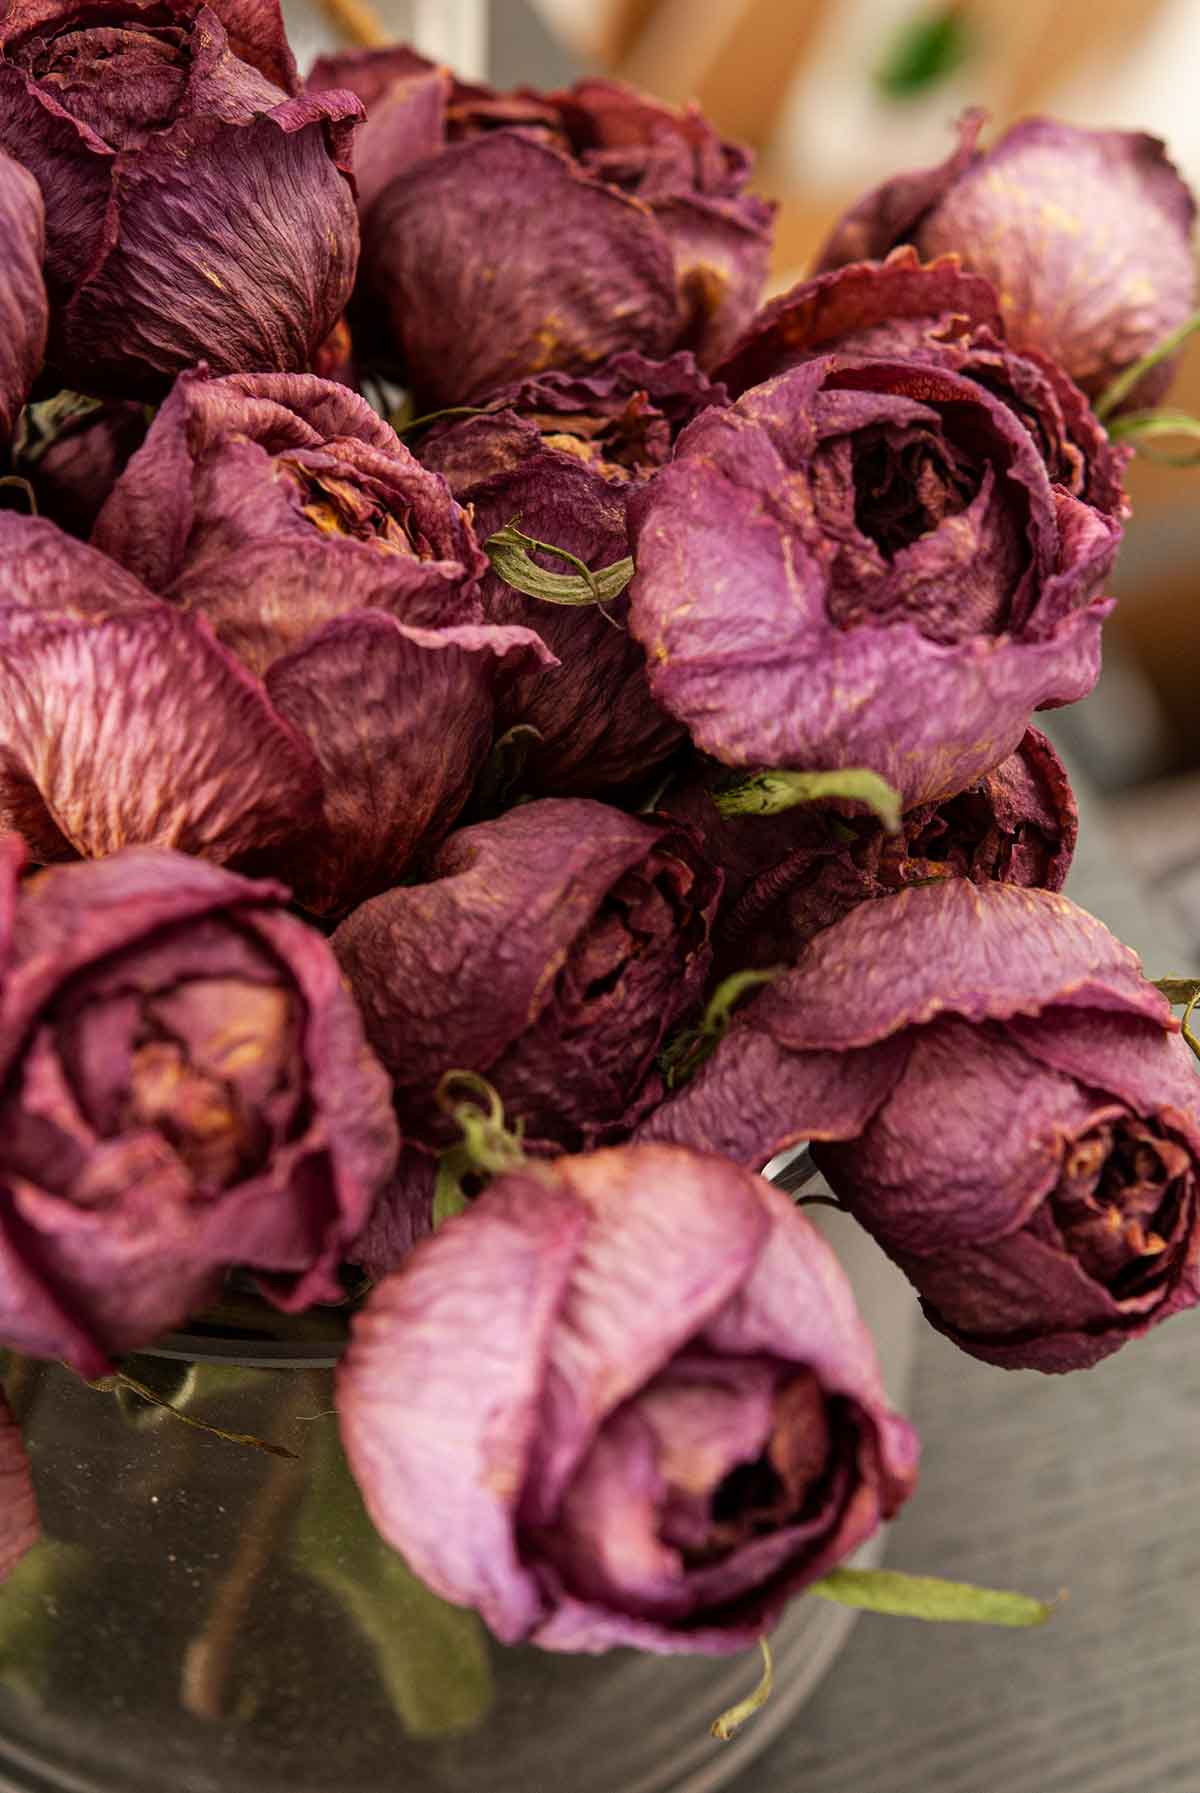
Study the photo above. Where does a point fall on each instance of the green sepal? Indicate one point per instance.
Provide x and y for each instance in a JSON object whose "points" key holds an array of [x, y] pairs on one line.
{"points": [[929, 1597], [509, 552], [767, 793]]}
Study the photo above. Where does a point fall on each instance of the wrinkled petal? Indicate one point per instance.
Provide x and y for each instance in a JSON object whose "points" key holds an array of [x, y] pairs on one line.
{"points": [[48, 577], [19, 1528], [419, 1428], [400, 721], [890, 213], [596, 277], [23, 312], [214, 303], [193, 755]]}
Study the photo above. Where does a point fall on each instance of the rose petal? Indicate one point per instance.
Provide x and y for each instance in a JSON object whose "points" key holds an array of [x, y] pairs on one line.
{"points": [[23, 310]]}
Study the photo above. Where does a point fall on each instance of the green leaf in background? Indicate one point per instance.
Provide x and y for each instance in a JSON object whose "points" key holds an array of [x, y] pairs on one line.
{"points": [[509, 551], [923, 52], [1124, 383], [1141, 428], [766, 793], [929, 1597], [32, 1604], [432, 1658]]}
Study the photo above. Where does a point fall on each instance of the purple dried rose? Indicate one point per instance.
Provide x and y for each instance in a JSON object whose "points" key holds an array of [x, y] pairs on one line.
{"points": [[184, 1086], [124, 721], [646, 236], [905, 309], [71, 449], [995, 1091], [1085, 235], [561, 453], [552, 952], [789, 876], [625, 1399], [19, 1527], [23, 310], [162, 134], [273, 503], [865, 562]]}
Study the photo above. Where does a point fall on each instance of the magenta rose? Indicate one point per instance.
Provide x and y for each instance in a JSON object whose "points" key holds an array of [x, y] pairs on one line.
{"points": [[125, 721], [646, 236], [162, 135], [552, 951], [865, 562], [184, 1086], [625, 1399], [561, 453], [995, 1091], [23, 311], [789, 876], [1085, 235]]}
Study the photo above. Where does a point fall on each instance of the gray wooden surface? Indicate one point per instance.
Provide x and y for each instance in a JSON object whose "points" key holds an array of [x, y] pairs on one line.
{"points": [[1088, 1482]]}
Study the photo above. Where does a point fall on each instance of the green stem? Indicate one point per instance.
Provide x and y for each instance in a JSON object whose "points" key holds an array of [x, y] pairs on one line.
{"points": [[1125, 382]]}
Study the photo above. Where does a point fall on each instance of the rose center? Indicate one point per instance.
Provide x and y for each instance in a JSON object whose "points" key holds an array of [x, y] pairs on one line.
{"points": [[335, 506], [124, 84], [1119, 1202], [906, 483]]}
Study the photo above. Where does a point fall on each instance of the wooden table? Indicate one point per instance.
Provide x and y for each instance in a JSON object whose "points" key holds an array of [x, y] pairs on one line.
{"points": [[1088, 1482]]}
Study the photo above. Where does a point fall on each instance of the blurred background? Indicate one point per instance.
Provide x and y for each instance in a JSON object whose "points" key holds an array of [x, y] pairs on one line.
{"points": [[836, 94]]}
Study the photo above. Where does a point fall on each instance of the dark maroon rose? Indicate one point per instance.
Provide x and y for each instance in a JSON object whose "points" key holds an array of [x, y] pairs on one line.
{"points": [[184, 1086], [71, 449], [124, 721], [864, 562], [993, 1088], [162, 138], [646, 236], [935, 312], [553, 951], [23, 310], [625, 1399], [1085, 235], [560, 453], [789, 876], [274, 503], [19, 1527]]}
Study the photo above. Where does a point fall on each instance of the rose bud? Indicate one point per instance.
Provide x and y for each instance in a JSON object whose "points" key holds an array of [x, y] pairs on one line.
{"points": [[19, 1527], [790, 875], [552, 952], [71, 450], [184, 1086], [356, 753], [995, 1091], [162, 137], [273, 503], [647, 238], [561, 453], [23, 310], [903, 308], [626, 1398], [1085, 235], [900, 584]]}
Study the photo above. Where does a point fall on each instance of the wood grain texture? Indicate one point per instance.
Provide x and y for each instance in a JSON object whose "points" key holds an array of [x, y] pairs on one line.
{"points": [[1089, 1483]]}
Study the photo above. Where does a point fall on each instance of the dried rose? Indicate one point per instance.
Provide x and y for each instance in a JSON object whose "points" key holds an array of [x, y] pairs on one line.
{"points": [[162, 137], [789, 876], [903, 308], [553, 951], [560, 453], [1085, 235], [23, 311], [864, 562], [273, 503], [999, 1096], [625, 1399], [71, 449], [124, 722], [646, 236], [184, 1086]]}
